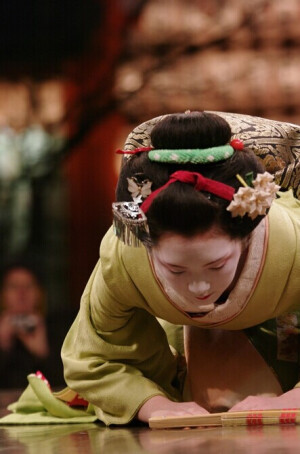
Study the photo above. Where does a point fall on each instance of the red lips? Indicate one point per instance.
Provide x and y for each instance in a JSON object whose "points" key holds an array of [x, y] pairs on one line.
{"points": [[203, 298]]}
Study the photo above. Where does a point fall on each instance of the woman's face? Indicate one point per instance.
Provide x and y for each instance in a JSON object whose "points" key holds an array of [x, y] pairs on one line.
{"points": [[20, 292], [198, 269]]}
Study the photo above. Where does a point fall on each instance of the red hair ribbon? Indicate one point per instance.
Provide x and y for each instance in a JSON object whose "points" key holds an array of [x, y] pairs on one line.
{"points": [[195, 179], [136, 150]]}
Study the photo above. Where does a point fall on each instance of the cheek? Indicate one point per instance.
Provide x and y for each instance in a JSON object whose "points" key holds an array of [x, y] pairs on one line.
{"points": [[176, 281], [172, 278], [222, 278], [227, 275], [230, 271]]}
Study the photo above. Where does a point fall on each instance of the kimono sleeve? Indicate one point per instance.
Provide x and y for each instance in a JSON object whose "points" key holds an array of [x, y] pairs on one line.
{"points": [[116, 354]]}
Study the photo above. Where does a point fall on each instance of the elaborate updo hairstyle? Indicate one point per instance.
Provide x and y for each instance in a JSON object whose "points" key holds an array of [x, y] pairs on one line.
{"points": [[180, 208]]}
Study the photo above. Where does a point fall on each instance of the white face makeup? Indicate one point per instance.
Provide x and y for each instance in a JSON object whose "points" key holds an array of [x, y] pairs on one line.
{"points": [[197, 270]]}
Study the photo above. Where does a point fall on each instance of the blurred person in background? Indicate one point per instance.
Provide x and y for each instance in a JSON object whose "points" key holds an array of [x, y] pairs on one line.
{"points": [[25, 341]]}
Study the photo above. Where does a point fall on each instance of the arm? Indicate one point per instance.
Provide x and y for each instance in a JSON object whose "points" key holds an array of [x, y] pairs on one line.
{"points": [[35, 341], [161, 406], [7, 332], [117, 356], [288, 400]]}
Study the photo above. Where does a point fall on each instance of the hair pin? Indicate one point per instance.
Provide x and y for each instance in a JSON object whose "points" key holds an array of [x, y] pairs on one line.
{"points": [[139, 187], [129, 222], [135, 151]]}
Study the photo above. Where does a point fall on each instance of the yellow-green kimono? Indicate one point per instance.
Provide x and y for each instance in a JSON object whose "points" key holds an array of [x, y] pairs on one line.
{"points": [[116, 355]]}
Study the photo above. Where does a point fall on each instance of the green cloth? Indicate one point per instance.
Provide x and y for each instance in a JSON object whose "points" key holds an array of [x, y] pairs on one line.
{"points": [[38, 405], [116, 354]]}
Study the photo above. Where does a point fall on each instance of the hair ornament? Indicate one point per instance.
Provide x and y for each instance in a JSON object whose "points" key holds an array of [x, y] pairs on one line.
{"points": [[135, 151], [139, 188], [198, 181], [196, 155], [193, 156], [128, 221], [254, 201], [237, 144]]}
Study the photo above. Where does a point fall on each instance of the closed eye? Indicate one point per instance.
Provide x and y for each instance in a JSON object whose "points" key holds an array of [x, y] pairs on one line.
{"points": [[176, 272], [219, 267]]}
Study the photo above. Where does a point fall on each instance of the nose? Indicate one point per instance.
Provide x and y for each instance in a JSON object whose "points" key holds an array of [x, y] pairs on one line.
{"points": [[200, 288]]}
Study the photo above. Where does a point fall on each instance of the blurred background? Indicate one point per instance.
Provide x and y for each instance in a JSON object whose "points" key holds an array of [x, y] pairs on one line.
{"points": [[77, 76]]}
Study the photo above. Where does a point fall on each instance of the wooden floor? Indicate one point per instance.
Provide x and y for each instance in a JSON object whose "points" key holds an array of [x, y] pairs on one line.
{"points": [[97, 439]]}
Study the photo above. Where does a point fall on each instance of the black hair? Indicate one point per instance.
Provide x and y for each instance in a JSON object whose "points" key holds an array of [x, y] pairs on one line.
{"points": [[180, 208]]}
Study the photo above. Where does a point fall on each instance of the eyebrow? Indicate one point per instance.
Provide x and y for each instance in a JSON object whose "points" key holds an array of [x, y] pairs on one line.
{"points": [[169, 264], [225, 257]]}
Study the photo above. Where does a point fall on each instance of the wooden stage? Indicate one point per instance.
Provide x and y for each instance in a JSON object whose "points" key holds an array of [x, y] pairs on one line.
{"points": [[97, 439]]}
